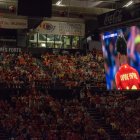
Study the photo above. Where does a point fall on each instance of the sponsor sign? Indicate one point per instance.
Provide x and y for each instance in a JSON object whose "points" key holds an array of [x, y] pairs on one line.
{"points": [[61, 28], [113, 18], [119, 16], [8, 23]]}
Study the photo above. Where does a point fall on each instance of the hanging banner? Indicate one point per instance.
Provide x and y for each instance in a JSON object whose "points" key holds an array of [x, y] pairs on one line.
{"points": [[8, 23], [61, 28]]}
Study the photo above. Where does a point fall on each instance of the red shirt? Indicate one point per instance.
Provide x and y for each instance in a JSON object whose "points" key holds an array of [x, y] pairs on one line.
{"points": [[127, 78]]}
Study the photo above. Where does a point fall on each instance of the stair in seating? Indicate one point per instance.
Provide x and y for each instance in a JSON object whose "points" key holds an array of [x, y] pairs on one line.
{"points": [[3, 134], [98, 117]]}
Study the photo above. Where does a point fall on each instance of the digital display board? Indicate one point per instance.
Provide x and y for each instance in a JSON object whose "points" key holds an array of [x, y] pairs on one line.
{"points": [[121, 52]]}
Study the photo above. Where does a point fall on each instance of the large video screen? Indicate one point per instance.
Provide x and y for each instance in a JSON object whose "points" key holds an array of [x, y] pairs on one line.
{"points": [[121, 51]]}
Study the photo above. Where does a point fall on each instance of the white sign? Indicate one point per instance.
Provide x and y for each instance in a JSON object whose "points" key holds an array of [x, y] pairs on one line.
{"points": [[10, 50], [61, 28], [8, 23]]}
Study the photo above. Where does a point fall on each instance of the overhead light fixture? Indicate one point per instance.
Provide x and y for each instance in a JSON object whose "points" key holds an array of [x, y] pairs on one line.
{"points": [[129, 3], [59, 2], [43, 45]]}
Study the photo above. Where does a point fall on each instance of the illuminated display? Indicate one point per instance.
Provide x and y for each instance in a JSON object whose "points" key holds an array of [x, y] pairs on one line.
{"points": [[109, 36], [121, 51]]}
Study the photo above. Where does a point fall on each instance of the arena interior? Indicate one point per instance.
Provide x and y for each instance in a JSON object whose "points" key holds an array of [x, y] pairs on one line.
{"points": [[69, 70]]}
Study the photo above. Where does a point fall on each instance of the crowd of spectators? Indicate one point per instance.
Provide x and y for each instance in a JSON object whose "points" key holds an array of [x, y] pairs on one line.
{"points": [[125, 118], [60, 70], [72, 71], [19, 69], [35, 116], [121, 113], [39, 116]]}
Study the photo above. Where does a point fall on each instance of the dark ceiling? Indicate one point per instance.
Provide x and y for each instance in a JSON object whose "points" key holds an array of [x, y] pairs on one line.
{"points": [[73, 8], [88, 7]]}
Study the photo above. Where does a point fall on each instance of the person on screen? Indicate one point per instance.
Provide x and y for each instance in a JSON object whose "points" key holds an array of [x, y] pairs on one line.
{"points": [[126, 77]]}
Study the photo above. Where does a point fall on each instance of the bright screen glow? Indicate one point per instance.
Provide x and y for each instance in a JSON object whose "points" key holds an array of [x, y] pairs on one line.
{"points": [[121, 51]]}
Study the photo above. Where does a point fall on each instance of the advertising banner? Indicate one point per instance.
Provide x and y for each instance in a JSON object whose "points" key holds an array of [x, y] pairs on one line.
{"points": [[8, 23], [61, 28], [119, 16]]}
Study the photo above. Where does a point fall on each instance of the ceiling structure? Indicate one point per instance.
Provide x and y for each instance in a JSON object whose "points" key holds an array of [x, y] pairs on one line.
{"points": [[89, 3], [87, 8], [73, 8], [84, 10], [113, 4]]}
